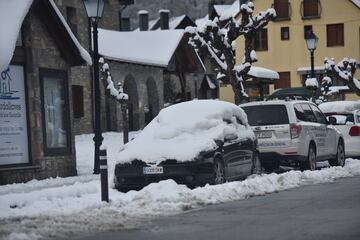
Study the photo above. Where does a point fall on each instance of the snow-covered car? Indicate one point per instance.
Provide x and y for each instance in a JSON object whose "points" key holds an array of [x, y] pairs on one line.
{"points": [[294, 133], [193, 143], [346, 118]]}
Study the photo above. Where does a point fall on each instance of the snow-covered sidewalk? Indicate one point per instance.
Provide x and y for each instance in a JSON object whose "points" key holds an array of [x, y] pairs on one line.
{"points": [[64, 207]]}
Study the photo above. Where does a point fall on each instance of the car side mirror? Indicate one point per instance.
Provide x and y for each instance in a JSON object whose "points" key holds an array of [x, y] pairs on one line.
{"points": [[332, 120]]}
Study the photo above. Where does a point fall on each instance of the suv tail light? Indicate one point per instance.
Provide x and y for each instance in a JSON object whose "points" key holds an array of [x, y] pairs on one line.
{"points": [[295, 130], [354, 131]]}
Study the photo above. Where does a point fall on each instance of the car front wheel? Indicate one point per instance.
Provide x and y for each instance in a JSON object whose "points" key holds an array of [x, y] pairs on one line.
{"points": [[340, 156], [219, 171]]}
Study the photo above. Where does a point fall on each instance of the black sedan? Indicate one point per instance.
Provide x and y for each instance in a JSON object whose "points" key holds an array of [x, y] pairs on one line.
{"points": [[193, 143]]}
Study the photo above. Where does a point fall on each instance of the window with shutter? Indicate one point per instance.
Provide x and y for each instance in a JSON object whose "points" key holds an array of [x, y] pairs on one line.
{"points": [[282, 9], [78, 100], [311, 8], [261, 40], [283, 81], [335, 34]]}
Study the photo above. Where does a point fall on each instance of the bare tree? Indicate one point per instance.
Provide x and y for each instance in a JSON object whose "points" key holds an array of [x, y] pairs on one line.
{"points": [[217, 39], [343, 71], [117, 94]]}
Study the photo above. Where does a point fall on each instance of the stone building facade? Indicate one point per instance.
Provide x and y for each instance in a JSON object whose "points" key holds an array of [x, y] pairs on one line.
{"points": [[42, 65]]}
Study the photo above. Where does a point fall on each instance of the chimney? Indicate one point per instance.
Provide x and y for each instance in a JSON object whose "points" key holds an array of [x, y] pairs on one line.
{"points": [[211, 9], [143, 20], [164, 19]]}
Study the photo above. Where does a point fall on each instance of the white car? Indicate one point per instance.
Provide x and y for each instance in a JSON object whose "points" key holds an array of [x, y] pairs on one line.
{"points": [[294, 133], [346, 117]]}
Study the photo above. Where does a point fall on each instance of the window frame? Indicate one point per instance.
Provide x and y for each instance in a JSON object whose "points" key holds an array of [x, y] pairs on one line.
{"points": [[81, 112], [59, 74], [261, 36], [304, 7], [282, 32], [338, 29], [321, 118], [278, 6], [312, 112]]}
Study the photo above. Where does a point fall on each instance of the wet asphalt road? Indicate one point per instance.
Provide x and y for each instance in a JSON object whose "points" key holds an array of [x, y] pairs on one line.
{"points": [[328, 211]]}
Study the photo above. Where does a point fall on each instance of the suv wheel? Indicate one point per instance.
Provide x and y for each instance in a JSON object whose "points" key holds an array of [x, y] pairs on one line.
{"points": [[310, 163], [256, 164], [340, 156], [219, 172]]}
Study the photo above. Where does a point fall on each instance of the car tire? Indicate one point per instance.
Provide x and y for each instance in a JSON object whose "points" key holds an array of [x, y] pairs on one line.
{"points": [[339, 160], [256, 167], [310, 163], [218, 171]]}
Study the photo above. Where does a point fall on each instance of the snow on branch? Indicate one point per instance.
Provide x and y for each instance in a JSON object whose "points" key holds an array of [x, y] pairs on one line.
{"points": [[118, 94], [217, 39], [343, 71]]}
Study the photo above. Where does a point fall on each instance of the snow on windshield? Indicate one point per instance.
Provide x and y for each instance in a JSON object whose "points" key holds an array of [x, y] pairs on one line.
{"points": [[183, 130]]}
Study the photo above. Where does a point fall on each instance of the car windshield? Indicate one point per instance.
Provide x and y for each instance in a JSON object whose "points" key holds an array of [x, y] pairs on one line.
{"points": [[266, 115]]}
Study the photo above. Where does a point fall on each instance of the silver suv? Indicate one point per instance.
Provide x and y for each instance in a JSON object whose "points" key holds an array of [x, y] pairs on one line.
{"points": [[294, 133]]}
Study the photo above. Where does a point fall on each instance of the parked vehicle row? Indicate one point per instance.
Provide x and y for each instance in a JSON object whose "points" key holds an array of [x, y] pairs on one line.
{"points": [[210, 142]]}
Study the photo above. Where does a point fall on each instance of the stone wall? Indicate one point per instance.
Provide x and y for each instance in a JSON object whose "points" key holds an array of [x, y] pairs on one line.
{"points": [[139, 74], [41, 52]]}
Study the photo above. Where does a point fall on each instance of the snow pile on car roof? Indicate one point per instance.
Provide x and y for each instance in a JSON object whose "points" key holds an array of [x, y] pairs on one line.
{"points": [[184, 130], [340, 106]]}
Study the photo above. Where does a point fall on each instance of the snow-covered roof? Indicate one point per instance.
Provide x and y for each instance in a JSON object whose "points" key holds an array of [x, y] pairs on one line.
{"points": [[337, 89], [260, 72], [340, 106], [142, 47], [232, 11], [356, 2], [83, 53], [223, 11], [307, 69], [183, 130], [12, 14]]}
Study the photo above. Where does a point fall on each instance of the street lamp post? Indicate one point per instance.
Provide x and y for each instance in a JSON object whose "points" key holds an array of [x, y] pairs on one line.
{"points": [[94, 10], [311, 42]]}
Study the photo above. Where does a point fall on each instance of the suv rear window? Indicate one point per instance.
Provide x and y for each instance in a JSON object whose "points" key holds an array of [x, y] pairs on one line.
{"points": [[266, 115]]}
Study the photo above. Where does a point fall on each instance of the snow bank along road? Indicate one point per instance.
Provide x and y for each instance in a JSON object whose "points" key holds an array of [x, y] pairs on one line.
{"points": [[66, 208], [70, 207]]}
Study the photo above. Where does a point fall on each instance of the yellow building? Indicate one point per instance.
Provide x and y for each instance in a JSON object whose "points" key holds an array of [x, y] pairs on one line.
{"points": [[281, 45]]}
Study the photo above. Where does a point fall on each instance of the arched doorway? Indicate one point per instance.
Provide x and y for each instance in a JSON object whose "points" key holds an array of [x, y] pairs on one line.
{"points": [[152, 108], [130, 88]]}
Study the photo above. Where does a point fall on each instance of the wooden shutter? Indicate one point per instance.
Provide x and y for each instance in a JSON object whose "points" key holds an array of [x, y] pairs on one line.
{"points": [[282, 8], [78, 101], [311, 8], [335, 34], [283, 81]]}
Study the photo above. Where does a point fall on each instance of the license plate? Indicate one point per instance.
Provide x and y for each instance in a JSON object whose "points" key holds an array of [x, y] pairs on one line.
{"points": [[153, 170], [263, 134]]}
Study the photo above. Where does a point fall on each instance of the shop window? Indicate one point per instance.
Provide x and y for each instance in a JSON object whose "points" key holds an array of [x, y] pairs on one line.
{"points": [[55, 112], [78, 101], [335, 34], [282, 9], [307, 29], [285, 33], [261, 40], [72, 19], [283, 81], [311, 8]]}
